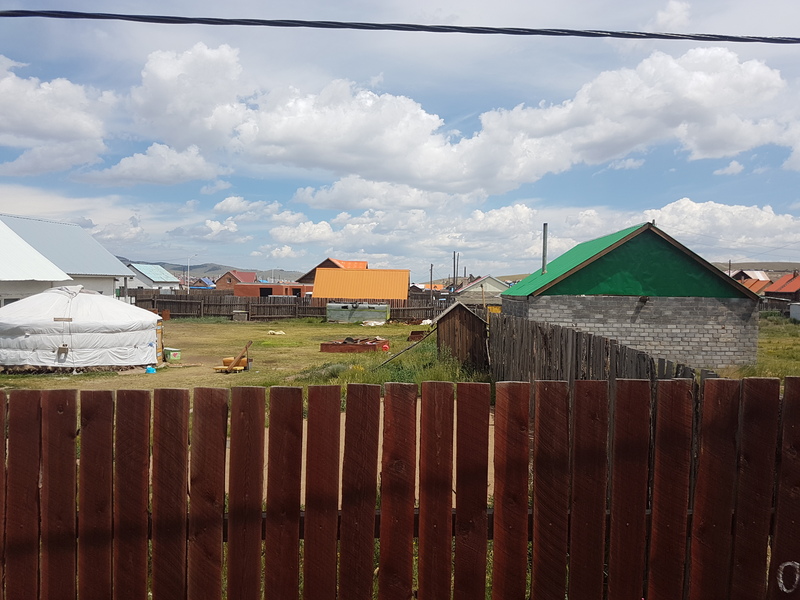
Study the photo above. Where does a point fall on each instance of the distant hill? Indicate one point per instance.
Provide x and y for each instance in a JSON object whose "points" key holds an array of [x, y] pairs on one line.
{"points": [[214, 270]]}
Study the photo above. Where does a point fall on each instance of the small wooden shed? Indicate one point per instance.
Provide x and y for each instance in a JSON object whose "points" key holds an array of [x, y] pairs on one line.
{"points": [[464, 334]]}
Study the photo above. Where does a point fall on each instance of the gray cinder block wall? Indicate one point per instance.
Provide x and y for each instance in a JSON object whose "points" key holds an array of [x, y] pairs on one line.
{"points": [[699, 332]]}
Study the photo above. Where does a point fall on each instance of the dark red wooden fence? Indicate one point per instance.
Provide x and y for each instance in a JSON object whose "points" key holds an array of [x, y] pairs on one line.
{"points": [[658, 492]]}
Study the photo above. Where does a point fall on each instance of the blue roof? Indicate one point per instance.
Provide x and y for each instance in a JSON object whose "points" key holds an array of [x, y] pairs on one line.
{"points": [[68, 246], [155, 273]]}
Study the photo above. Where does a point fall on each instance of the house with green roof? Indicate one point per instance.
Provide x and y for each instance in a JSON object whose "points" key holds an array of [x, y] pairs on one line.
{"points": [[153, 277], [644, 289]]}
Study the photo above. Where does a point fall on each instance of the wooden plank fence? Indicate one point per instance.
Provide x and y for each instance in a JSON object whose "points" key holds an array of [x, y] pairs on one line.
{"points": [[524, 350], [273, 308], [569, 491]]}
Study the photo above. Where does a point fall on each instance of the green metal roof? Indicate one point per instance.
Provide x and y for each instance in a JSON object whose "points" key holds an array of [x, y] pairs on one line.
{"points": [[565, 263], [637, 261]]}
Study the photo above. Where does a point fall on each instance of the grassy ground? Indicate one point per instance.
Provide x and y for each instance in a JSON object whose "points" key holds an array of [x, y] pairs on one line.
{"points": [[291, 358], [294, 358], [778, 350]]}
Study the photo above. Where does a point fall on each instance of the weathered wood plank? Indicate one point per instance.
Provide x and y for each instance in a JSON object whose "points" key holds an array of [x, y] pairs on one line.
{"points": [[359, 491], [285, 456], [511, 449], [322, 492], [398, 472], [59, 487], [590, 475], [207, 492], [472, 466], [436, 490], [246, 493]]}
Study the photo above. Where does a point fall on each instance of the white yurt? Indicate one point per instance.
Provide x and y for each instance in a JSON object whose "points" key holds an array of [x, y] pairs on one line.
{"points": [[76, 328]]}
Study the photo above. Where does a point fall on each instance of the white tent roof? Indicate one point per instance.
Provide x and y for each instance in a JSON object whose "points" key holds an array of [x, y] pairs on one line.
{"points": [[72, 327], [22, 262]]}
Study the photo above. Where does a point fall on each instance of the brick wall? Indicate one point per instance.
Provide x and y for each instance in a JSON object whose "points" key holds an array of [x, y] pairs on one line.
{"points": [[700, 332]]}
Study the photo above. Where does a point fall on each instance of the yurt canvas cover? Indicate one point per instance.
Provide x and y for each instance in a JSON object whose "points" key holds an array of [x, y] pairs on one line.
{"points": [[72, 327]]}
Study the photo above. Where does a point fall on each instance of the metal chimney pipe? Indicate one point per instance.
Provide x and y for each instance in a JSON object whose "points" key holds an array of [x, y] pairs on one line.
{"points": [[544, 249]]}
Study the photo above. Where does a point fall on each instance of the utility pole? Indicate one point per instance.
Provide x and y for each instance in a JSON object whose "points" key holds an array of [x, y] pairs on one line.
{"points": [[544, 249], [431, 284]]}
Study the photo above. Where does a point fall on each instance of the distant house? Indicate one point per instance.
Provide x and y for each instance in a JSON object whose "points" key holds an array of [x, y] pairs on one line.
{"points": [[463, 334], [482, 291], [743, 275], [202, 283], [153, 277], [331, 263], [647, 291], [228, 280], [786, 288], [38, 254], [362, 284], [264, 290]]}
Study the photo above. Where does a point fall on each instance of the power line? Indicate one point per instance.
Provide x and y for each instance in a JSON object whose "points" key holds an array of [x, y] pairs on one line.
{"points": [[404, 27]]}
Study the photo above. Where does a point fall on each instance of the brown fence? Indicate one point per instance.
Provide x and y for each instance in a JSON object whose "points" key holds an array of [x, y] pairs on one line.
{"points": [[524, 350], [650, 493], [214, 304]]}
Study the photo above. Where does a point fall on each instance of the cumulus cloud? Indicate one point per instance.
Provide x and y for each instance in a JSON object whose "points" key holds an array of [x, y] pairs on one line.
{"points": [[128, 231], [54, 124], [733, 168], [160, 164], [216, 186], [673, 17]]}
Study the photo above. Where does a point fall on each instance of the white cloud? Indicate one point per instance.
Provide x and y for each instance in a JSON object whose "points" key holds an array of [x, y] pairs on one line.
{"points": [[127, 231], [733, 168], [673, 17], [55, 124], [160, 164], [626, 164], [214, 187], [286, 252]]}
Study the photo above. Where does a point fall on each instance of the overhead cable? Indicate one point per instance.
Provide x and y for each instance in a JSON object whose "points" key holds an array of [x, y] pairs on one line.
{"points": [[405, 27]]}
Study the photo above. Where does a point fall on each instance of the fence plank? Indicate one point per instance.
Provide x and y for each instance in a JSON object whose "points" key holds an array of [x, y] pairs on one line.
{"points": [[629, 471], [511, 448], [760, 410], [207, 493], [436, 490], [398, 472], [671, 474], [472, 468], [359, 491], [131, 494], [246, 492], [322, 492], [170, 483], [59, 487], [590, 474], [285, 456], [784, 568], [95, 523], [22, 500], [3, 512], [550, 489], [714, 491]]}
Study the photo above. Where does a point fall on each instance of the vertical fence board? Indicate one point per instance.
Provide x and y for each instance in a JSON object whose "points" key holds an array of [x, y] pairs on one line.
{"points": [[784, 568], [398, 471], [3, 512], [629, 472], [170, 483], [550, 489], [59, 487], [472, 469], [714, 491], [671, 473], [511, 449], [590, 474], [22, 501], [246, 489], [95, 522], [359, 491], [322, 492], [436, 490], [207, 493], [760, 411], [131, 494], [285, 457]]}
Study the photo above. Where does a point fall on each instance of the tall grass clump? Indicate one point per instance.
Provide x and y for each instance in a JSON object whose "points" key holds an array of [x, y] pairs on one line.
{"points": [[417, 364], [778, 348]]}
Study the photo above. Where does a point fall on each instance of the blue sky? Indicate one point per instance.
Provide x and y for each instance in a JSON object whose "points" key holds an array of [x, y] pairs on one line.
{"points": [[269, 148]]}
